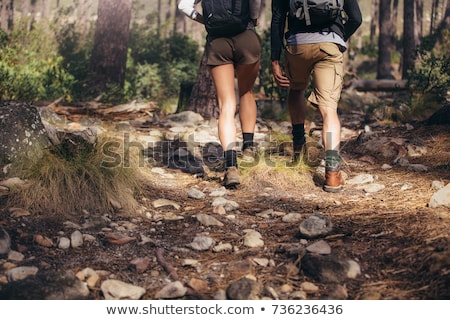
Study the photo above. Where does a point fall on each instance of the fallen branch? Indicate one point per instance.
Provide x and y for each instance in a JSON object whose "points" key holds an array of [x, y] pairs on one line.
{"points": [[377, 85], [166, 266]]}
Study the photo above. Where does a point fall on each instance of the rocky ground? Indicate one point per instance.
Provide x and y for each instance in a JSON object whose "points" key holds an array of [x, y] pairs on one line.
{"points": [[386, 236]]}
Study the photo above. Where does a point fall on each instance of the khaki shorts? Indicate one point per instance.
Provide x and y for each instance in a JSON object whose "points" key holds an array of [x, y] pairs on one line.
{"points": [[325, 62], [245, 48]]}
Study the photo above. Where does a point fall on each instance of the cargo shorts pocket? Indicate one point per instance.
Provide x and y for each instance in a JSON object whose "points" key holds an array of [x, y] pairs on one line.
{"points": [[332, 50]]}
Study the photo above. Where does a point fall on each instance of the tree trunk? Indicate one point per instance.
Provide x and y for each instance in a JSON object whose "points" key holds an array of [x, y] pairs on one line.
{"points": [[394, 21], [83, 16], [168, 18], [29, 10], [374, 21], [109, 53], [180, 22], [434, 13], [6, 15], [418, 30], [409, 44], [158, 19], [384, 67], [203, 97], [46, 6]]}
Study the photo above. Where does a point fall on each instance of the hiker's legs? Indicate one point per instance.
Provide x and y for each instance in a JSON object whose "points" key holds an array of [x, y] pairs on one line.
{"points": [[297, 106], [223, 77], [328, 79], [246, 76], [331, 132]]}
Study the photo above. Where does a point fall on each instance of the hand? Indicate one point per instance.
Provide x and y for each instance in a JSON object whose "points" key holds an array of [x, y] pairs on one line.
{"points": [[280, 79]]}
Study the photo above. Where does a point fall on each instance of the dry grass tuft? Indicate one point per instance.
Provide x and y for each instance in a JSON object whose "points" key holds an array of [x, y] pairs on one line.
{"points": [[99, 179], [276, 173]]}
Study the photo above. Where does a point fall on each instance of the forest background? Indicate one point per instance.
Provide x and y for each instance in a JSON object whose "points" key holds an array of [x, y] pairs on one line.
{"points": [[123, 50]]}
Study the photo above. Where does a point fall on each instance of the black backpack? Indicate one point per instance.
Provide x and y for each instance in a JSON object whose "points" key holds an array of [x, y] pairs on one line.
{"points": [[225, 18], [316, 12]]}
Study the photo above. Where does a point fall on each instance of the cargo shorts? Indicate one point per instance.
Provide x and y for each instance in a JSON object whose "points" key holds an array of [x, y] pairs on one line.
{"points": [[325, 62], [244, 48]]}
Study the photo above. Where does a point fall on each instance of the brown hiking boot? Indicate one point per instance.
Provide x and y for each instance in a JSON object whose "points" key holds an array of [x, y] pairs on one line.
{"points": [[334, 182], [231, 178], [299, 152], [249, 155]]}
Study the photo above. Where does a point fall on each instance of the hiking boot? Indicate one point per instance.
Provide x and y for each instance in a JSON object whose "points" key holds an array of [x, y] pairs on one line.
{"points": [[334, 182], [299, 150], [249, 155], [231, 178]]}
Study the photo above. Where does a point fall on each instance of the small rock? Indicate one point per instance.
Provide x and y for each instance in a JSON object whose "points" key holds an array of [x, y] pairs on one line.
{"points": [[440, 198], [286, 288], [118, 290], [5, 241], [418, 168], [373, 187], [198, 285], [246, 288], [20, 273], [15, 256], [228, 205], [196, 194], [171, 291], [309, 287], [76, 239], [253, 239], [207, 220], [43, 241], [371, 295], [292, 217], [263, 262], [319, 247], [337, 292], [437, 185], [315, 225], [140, 264], [361, 179], [223, 247], [329, 268], [219, 210], [201, 243], [159, 203], [298, 295], [88, 275]]}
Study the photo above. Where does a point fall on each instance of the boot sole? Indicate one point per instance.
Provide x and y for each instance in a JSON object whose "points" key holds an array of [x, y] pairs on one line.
{"points": [[333, 189], [231, 184]]}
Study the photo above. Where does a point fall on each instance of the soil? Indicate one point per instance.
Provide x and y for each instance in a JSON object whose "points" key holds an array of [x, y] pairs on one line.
{"points": [[401, 244]]}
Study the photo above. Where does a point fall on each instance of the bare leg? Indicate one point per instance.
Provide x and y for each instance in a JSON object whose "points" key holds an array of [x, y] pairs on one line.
{"points": [[223, 77], [331, 132], [297, 106], [246, 75]]}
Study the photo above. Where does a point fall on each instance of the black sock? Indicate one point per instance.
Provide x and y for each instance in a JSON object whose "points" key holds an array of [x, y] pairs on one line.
{"points": [[332, 158], [248, 140], [230, 158], [298, 134]]}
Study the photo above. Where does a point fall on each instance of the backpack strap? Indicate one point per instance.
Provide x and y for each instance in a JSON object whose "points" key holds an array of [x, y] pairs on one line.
{"points": [[306, 12]]}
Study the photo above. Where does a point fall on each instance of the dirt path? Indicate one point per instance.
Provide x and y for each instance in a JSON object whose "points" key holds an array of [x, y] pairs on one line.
{"points": [[401, 245]]}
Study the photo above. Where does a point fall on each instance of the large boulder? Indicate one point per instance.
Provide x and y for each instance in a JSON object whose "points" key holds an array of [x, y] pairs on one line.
{"points": [[22, 132]]}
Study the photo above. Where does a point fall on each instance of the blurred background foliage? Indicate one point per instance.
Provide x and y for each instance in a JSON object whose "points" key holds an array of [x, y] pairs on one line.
{"points": [[51, 59]]}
